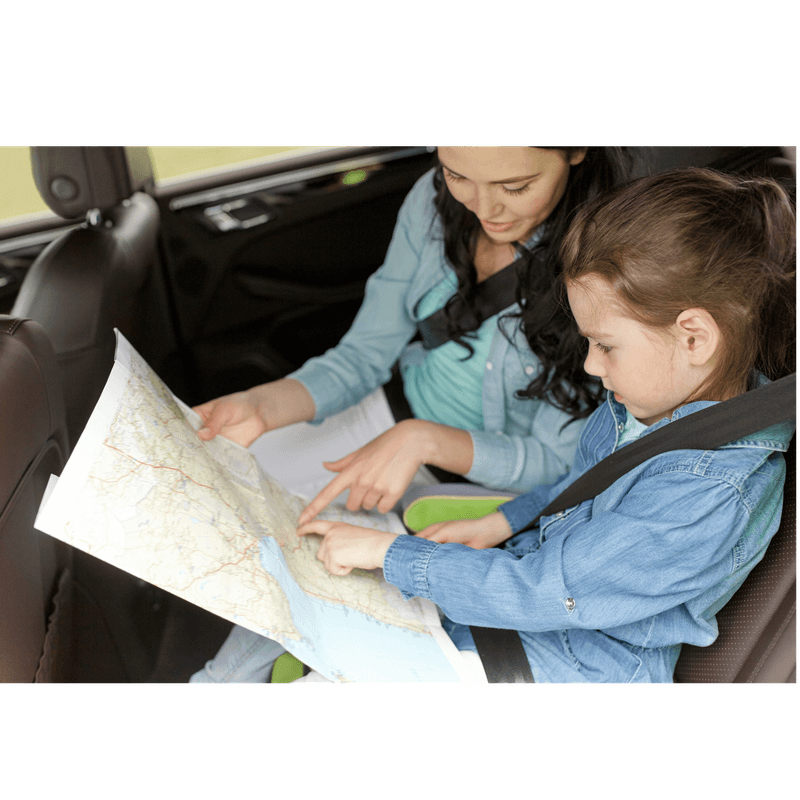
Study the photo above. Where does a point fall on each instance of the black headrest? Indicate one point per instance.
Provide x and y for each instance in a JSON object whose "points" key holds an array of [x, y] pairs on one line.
{"points": [[74, 180]]}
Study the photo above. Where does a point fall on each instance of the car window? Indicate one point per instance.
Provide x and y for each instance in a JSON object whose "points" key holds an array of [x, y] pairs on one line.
{"points": [[170, 163], [20, 198]]}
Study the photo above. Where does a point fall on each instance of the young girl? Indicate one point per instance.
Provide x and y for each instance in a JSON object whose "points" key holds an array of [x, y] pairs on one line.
{"points": [[684, 285]]}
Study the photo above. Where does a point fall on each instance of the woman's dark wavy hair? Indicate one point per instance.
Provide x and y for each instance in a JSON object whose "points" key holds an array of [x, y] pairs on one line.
{"points": [[544, 318]]}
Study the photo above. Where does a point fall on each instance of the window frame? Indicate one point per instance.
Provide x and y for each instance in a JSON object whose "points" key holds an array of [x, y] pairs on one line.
{"points": [[31, 230]]}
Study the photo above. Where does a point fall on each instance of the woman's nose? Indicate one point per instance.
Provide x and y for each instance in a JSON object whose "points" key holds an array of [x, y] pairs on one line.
{"points": [[484, 204]]}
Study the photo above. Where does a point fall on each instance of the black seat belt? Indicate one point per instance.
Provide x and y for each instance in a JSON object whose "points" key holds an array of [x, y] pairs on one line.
{"points": [[501, 650], [495, 294]]}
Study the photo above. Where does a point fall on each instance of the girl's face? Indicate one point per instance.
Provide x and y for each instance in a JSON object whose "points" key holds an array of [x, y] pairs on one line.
{"points": [[511, 190], [645, 369]]}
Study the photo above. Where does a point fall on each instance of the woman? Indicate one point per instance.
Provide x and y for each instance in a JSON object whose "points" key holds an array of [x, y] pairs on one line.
{"points": [[495, 402]]}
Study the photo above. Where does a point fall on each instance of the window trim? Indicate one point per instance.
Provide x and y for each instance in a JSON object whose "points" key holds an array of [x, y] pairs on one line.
{"points": [[306, 166]]}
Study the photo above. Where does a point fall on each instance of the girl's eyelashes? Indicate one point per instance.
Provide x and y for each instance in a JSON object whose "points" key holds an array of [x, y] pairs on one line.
{"points": [[602, 348]]}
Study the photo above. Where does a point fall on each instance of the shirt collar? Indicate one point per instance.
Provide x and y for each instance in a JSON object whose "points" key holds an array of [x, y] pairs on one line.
{"points": [[775, 437]]}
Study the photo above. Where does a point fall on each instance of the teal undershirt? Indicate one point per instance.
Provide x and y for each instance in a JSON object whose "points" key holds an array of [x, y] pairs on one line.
{"points": [[633, 429], [445, 388]]}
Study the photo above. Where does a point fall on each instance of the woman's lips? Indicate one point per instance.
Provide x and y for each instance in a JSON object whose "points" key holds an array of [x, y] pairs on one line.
{"points": [[496, 227]]}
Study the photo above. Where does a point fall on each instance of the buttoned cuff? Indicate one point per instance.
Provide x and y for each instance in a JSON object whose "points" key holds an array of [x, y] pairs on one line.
{"points": [[405, 565], [519, 511]]}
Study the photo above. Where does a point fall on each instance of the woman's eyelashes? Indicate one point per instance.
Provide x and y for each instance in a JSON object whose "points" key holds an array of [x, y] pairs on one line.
{"points": [[451, 176]]}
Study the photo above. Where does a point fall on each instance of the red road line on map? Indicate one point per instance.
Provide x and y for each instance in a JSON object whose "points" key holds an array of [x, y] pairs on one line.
{"points": [[173, 469], [159, 466]]}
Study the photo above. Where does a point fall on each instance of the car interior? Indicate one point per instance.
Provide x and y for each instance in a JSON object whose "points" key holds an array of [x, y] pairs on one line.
{"points": [[223, 281]]}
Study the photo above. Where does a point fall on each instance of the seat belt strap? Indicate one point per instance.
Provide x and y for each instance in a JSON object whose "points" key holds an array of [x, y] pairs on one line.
{"points": [[502, 655], [501, 650], [495, 294], [707, 429]]}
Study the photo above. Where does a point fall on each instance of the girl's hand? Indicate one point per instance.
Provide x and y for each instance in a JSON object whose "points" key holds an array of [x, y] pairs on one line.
{"points": [[345, 547], [378, 473], [480, 534]]}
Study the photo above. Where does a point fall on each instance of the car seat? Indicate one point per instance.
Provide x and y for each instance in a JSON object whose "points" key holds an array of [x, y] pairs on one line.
{"points": [[757, 627], [33, 441], [102, 274], [90, 279]]}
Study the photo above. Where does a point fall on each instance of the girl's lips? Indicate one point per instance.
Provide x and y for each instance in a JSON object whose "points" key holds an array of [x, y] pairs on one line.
{"points": [[496, 227]]}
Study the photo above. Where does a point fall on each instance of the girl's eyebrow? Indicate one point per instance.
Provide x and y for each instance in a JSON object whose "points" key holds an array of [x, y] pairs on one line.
{"points": [[593, 335], [505, 180]]}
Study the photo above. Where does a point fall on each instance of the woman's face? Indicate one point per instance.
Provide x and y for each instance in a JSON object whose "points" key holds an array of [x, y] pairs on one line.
{"points": [[511, 190]]}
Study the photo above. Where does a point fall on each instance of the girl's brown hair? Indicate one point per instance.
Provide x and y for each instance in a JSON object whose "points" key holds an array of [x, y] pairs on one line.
{"points": [[697, 238]]}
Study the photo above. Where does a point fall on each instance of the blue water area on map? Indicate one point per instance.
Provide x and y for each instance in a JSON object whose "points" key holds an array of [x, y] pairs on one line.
{"points": [[342, 643]]}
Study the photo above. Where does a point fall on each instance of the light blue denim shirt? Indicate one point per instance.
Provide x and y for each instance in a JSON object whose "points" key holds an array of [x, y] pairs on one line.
{"points": [[608, 590], [521, 444]]}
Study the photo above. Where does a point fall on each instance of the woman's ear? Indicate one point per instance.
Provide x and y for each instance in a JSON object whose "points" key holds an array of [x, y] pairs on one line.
{"points": [[577, 156], [698, 335]]}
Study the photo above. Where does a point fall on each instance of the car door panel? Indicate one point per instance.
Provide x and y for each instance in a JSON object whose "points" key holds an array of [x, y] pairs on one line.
{"points": [[270, 271]]}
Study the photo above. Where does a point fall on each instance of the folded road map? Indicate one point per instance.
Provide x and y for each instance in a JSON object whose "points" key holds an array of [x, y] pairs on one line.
{"points": [[202, 520]]}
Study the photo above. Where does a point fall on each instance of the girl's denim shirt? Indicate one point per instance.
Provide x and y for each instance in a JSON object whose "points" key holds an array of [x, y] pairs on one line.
{"points": [[522, 443], [609, 589]]}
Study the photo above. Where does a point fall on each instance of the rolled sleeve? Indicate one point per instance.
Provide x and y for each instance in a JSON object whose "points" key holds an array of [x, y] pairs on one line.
{"points": [[523, 509], [405, 565]]}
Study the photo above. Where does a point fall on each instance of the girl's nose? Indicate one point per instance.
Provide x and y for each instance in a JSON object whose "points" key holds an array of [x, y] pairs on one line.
{"points": [[592, 364]]}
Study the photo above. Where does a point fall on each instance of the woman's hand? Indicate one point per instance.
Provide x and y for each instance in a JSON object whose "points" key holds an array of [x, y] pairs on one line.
{"points": [[234, 416], [378, 473], [345, 547], [480, 534], [242, 417]]}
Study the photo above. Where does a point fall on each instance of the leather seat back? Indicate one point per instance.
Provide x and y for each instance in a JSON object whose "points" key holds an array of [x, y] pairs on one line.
{"points": [[90, 280], [757, 627], [33, 444]]}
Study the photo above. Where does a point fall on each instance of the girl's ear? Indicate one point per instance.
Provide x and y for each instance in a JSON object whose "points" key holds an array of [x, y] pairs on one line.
{"points": [[698, 335]]}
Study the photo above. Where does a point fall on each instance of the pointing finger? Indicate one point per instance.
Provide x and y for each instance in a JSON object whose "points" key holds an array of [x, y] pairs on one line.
{"points": [[330, 492]]}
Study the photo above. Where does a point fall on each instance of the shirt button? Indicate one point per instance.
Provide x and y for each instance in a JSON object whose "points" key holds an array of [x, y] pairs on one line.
{"points": [[489, 365], [529, 370], [621, 427], [570, 604]]}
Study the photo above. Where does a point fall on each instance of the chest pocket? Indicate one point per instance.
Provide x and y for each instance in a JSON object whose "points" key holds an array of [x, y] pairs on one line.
{"points": [[562, 522]]}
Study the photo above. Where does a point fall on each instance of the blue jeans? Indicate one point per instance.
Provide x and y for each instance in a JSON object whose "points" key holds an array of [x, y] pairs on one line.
{"points": [[245, 657]]}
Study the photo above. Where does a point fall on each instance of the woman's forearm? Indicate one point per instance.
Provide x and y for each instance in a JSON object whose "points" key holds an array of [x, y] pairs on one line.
{"points": [[442, 446], [282, 402]]}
